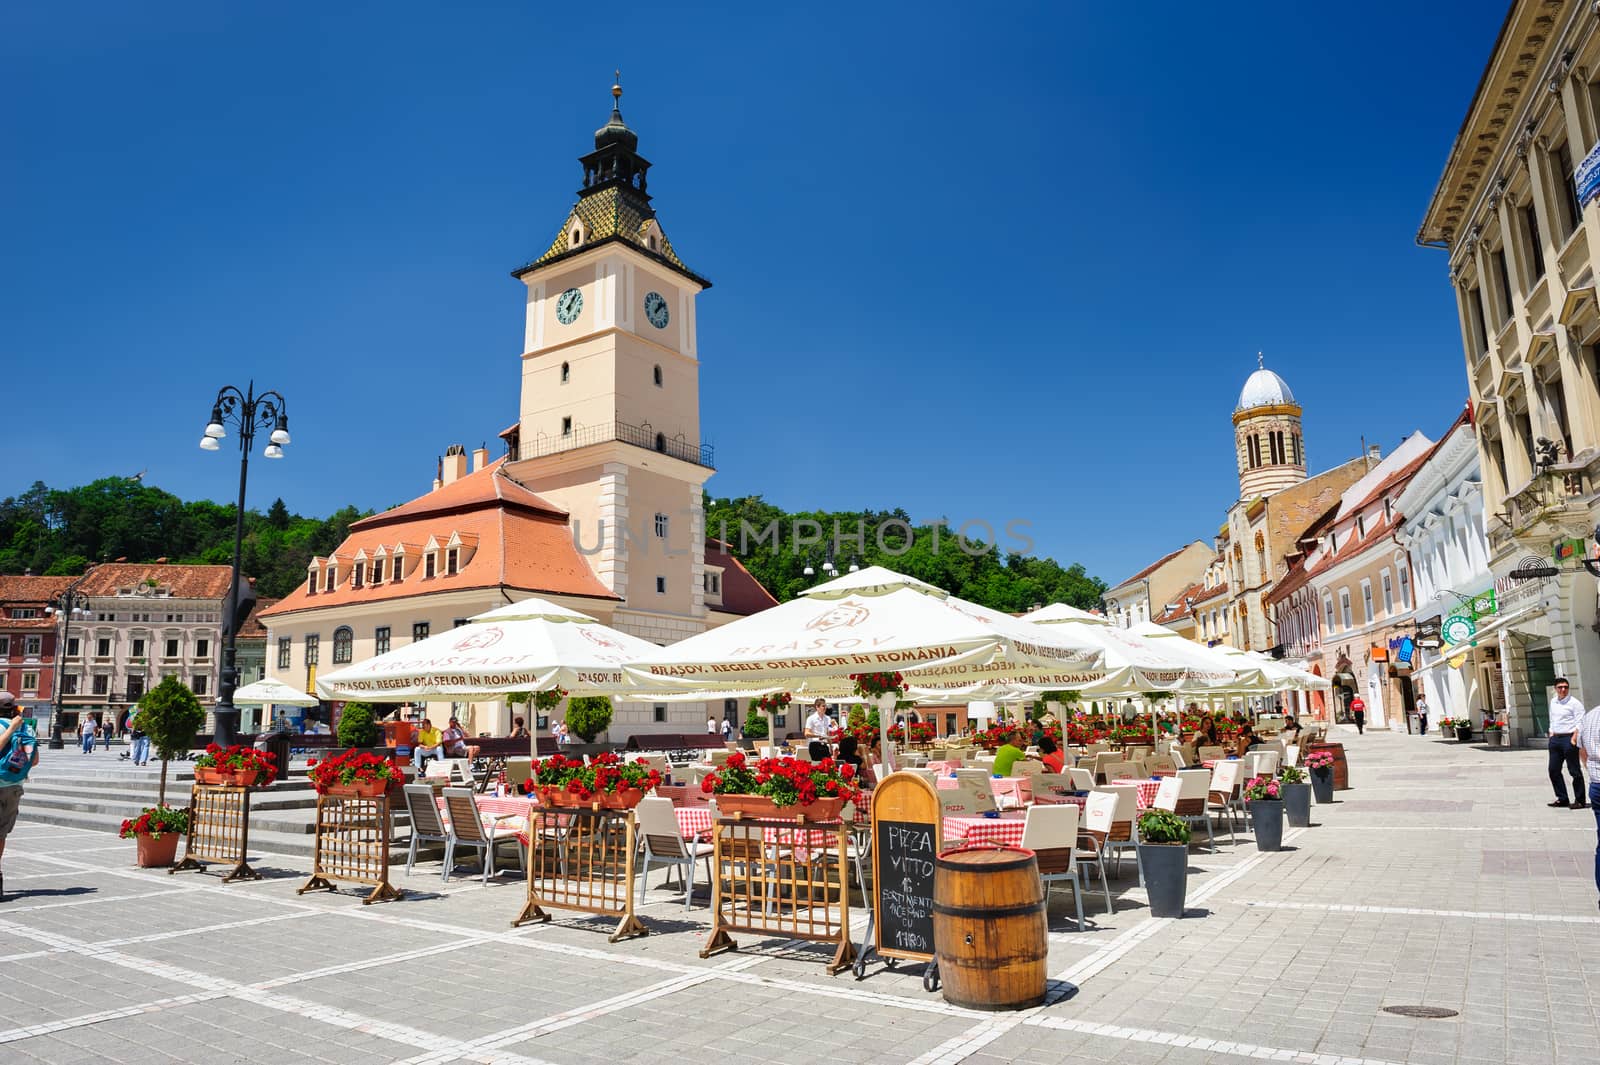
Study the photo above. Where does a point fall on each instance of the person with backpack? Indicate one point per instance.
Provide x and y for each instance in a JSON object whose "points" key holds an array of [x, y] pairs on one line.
{"points": [[19, 753]]}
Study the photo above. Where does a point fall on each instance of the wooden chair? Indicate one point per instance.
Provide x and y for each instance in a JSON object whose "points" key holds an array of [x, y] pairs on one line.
{"points": [[426, 824], [1122, 771], [1185, 795], [1045, 783], [1187, 750], [1082, 779], [973, 786], [663, 844], [1161, 762], [1211, 754], [1051, 832], [466, 829]]}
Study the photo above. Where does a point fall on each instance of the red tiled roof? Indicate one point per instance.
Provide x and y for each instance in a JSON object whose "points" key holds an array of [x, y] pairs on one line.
{"points": [[178, 581], [252, 629], [482, 487], [33, 592], [741, 592], [1190, 598], [510, 538]]}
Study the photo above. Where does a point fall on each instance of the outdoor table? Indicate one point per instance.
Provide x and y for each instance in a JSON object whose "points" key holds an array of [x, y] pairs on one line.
{"points": [[694, 821], [513, 810], [1147, 790], [1000, 829]]}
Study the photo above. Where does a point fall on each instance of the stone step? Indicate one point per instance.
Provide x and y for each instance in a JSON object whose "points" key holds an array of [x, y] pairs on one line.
{"points": [[277, 797], [263, 839]]}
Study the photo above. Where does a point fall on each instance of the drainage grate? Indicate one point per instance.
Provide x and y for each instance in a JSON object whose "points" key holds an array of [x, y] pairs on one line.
{"points": [[1430, 1012]]}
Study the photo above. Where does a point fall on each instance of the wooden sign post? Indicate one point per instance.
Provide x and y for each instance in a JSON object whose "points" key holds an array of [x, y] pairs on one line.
{"points": [[906, 837]]}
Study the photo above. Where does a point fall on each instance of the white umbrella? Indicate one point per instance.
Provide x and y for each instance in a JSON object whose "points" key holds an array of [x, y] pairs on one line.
{"points": [[530, 645], [272, 691], [874, 620], [1058, 612]]}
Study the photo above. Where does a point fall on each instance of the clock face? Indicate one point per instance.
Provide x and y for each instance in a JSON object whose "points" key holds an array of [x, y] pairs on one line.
{"points": [[568, 306], [655, 309]]}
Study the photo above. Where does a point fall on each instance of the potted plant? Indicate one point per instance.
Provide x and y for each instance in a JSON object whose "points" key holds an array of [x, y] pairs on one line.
{"points": [[1447, 728], [170, 715], [236, 766], [783, 787], [1494, 732], [1163, 847], [1265, 799], [156, 832], [588, 716], [1463, 726], [1296, 796], [356, 726], [1320, 765], [605, 781], [356, 774]]}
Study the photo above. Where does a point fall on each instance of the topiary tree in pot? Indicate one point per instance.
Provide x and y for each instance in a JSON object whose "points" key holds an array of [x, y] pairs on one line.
{"points": [[170, 715], [588, 716], [755, 727], [356, 726]]}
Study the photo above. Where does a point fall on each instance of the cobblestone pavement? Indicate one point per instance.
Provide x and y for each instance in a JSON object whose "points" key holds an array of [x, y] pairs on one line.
{"points": [[1441, 879]]}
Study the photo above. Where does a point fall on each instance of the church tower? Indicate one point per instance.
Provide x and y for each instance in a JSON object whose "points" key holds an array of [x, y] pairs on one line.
{"points": [[609, 425], [1266, 433]]}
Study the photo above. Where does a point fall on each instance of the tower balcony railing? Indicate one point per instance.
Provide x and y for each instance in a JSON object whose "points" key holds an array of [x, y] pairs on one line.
{"points": [[640, 436]]}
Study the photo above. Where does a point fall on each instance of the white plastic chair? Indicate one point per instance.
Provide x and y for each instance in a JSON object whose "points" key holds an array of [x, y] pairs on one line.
{"points": [[1185, 795], [1082, 779], [1051, 832], [663, 844], [1123, 832], [1223, 794], [1098, 820], [467, 829]]}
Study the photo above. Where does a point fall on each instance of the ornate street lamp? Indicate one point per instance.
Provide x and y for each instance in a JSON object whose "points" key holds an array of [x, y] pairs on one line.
{"points": [[247, 412], [69, 605]]}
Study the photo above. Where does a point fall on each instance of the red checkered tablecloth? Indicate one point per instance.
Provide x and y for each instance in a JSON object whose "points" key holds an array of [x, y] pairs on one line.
{"points": [[983, 830], [1147, 790], [490, 809], [694, 821]]}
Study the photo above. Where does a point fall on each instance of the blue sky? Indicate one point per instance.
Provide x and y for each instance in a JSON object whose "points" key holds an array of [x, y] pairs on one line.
{"points": [[999, 262]]}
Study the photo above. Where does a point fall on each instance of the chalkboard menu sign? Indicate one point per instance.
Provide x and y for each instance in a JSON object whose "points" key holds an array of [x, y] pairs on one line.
{"points": [[905, 842], [904, 879]]}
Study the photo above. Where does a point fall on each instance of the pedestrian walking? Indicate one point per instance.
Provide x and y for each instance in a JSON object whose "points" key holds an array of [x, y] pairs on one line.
{"points": [[1589, 745], [727, 730], [1566, 711], [19, 753], [106, 728], [1358, 711], [140, 752], [711, 725], [86, 733], [1422, 713]]}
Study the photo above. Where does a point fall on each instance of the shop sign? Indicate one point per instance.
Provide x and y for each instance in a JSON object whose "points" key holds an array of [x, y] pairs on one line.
{"points": [[1531, 568], [1567, 549], [1512, 593], [1401, 648], [1428, 634], [1483, 604], [1587, 176], [1459, 629]]}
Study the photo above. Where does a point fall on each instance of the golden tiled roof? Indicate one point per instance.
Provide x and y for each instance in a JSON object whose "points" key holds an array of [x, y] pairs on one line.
{"points": [[614, 213]]}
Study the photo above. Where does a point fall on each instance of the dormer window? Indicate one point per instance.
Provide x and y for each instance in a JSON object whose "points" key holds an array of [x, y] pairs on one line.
{"points": [[328, 574], [377, 571], [429, 562], [311, 583], [452, 558], [358, 576], [397, 570], [576, 238], [652, 242]]}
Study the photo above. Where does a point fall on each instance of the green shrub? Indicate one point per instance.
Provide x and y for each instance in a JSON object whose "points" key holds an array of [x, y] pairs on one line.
{"points": [[1160, 826], [588, 716], [356, 727], [755, 727], [170, 715]]}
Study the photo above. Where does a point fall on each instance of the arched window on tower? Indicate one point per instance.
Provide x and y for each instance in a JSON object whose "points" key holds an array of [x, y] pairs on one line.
{"points": [[1261, 557], [566, 372], [1297, 450], [1252, 446], [1279, 454]]}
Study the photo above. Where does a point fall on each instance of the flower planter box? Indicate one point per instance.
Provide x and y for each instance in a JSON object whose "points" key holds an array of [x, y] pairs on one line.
{"points": [[761, 806], [361, 789], [1165, 868], [205, 774], [154, 852], [1322, 785], [1267, 817], [1297, 803], [1464, 733]]}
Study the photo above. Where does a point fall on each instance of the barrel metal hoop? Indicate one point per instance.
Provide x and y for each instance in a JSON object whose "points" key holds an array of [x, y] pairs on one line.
{"points": [[1021, 909]]}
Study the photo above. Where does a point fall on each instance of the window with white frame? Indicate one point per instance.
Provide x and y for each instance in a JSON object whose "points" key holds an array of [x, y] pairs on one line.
{"points": [[661, 526], [1366, 602], [452, 561], [1344, 608], [1388, 592], [1327, 607], [32, 646], [1405, 589], [285, 646]]}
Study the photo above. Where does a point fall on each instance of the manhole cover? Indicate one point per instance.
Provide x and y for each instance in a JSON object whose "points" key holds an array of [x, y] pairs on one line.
{"points": [[1430, 1012]]}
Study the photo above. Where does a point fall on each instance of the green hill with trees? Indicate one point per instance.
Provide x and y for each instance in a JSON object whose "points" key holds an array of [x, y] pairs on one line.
{"points": [[60, 531]]}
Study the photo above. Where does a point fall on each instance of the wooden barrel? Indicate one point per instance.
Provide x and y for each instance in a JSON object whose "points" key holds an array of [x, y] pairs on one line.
{"points": [[989, 927], [1341, 768]]}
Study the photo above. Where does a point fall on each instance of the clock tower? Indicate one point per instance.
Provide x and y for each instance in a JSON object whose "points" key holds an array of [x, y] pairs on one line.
{"points": [[609, 424]]}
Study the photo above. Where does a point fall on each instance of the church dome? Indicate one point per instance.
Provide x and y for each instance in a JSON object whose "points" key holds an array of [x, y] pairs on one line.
{"points": [[1264, 389]]}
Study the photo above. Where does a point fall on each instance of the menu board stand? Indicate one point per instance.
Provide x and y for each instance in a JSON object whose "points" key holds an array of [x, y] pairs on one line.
{"points": [[906, 823]]}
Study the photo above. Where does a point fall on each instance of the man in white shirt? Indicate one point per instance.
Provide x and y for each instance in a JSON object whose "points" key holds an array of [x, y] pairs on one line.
{"points": [[711, 726], [819, 726], [1589, 744], [1566, 711], [1422, 713]]}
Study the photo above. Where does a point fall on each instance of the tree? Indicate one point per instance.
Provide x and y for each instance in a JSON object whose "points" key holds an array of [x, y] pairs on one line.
{"points": [[356, 727], [588, 716], [170, 715]]}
